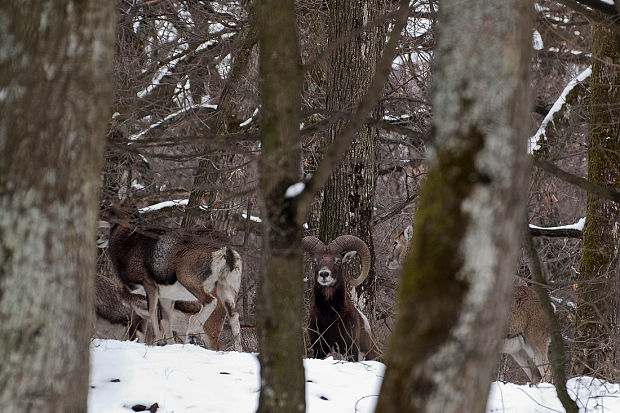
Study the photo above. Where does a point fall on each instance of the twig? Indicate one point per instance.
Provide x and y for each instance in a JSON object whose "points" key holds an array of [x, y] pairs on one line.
{"points": [[558, 356], [577, 181]]}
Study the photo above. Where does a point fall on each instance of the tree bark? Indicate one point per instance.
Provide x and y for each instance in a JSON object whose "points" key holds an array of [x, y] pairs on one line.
{"points": [[55, 100], [280, 294], [349, 194], [460, 268], [597, 318]]}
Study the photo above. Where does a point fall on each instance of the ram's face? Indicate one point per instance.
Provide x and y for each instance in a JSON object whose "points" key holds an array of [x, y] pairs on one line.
{"points": [[328, 269]]}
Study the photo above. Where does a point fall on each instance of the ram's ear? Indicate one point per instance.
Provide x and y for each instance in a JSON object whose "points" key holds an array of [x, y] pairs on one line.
{"points": [[348, 256]]}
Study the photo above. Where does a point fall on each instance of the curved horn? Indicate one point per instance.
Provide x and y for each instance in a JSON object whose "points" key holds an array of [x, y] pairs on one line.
{"points": [[312, 245], [350, 243]]}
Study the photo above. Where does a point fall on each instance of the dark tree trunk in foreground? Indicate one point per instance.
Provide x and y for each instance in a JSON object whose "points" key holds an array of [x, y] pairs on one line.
{"points": [[55, 94], [597, 289], [349, 194], [280, 295], [460, 269]]}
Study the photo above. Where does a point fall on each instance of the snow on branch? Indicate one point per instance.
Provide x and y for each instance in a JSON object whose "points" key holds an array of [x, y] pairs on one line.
{"points": [[569, 231], [171, 116], [554, 114], [162, 205], [249, 120]]}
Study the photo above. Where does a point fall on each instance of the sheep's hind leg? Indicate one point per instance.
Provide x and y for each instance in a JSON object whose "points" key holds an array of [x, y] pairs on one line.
{"points": [[228, 296], [152, 295]]}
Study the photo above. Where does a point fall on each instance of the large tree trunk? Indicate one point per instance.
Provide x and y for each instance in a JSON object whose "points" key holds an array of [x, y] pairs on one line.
{"points": [[460, 269], [597, 318], [54, 98], [349, 194], [280, 295]]}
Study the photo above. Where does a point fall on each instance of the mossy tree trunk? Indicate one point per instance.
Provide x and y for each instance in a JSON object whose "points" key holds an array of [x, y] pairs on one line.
{"points": [[280, 294], [349, 194], [597, 290], [55, 95], [459, 271]]}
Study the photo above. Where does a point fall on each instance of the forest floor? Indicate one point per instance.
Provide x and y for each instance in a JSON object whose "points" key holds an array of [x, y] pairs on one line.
{"points": [[128, 376]]}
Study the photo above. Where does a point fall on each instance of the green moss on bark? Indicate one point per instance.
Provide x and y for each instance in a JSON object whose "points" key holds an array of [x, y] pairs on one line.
{"points": [[431, 293], [596, 297]]}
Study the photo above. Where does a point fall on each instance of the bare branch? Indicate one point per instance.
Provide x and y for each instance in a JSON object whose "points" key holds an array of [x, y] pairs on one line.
{"points": [[593, 9], [558, 356], [601, 191], [397, 209]]}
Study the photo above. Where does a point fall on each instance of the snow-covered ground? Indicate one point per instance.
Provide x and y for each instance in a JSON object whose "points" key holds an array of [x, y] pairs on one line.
{"points": [[187, 378]]}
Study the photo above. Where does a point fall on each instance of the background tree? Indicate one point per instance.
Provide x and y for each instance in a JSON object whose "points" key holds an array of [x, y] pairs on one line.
{"points": [[356, 34], [597, 289], [467, 224], [55, 96]]}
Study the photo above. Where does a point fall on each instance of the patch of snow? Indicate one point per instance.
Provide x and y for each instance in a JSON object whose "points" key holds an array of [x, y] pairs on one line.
{"points": [[252, 217], [249, 120], [392, 118], [188, 378], [294, 190], [165, 204], [537, 41], [224, 66], [136, 185], [206, 44]]}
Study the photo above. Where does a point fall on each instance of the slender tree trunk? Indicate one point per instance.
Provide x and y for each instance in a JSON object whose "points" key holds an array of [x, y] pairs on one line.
{"points": [[460, 268], [349, 194], [597, 319], [55, 100], [280, 295], [558, 352]]}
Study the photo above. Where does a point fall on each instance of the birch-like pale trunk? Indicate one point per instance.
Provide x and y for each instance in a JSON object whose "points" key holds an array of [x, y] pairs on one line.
{"points": [[456, 283]]}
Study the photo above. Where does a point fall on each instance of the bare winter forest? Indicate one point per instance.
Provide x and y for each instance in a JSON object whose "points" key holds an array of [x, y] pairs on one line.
{"points": [[367, 113]]}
